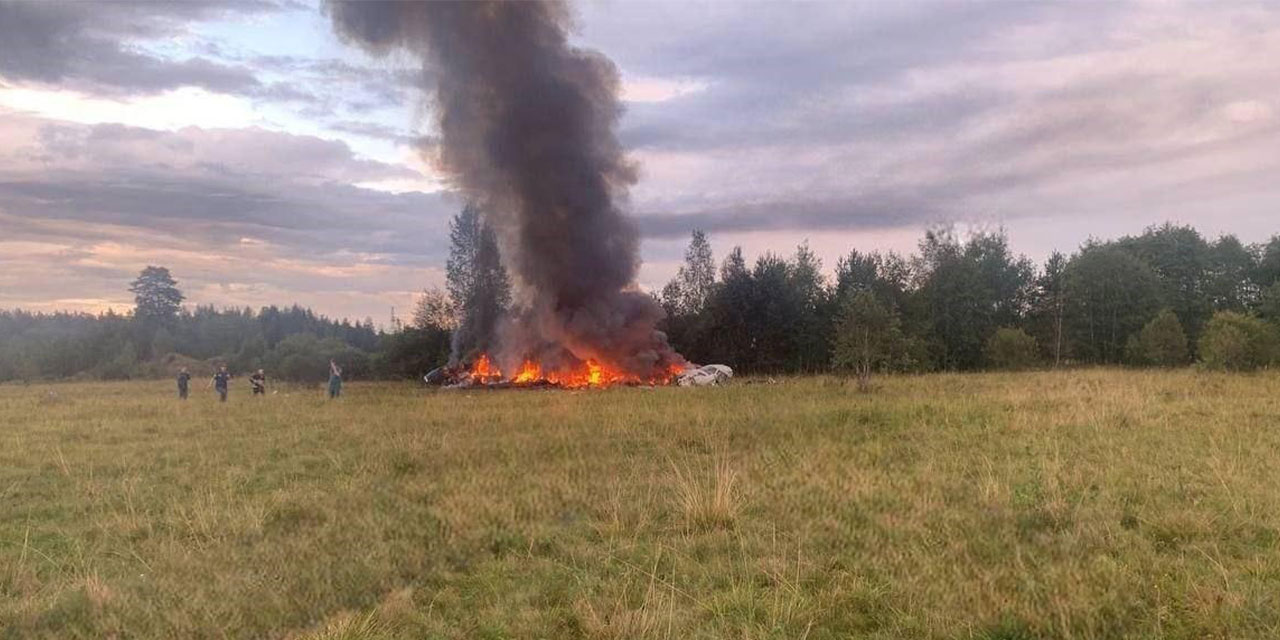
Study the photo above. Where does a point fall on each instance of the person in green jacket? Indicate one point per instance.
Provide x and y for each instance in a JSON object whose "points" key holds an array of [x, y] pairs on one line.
{"points": [[335, 380]]}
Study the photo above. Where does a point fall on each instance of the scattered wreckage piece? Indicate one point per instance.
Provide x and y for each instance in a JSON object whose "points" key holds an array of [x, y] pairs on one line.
{"points": [[438, 376], [705, 376], [461, 378], [503, 384], [454, 378]]}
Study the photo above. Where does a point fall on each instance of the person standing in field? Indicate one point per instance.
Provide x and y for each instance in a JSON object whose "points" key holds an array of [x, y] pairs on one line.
{"points": [[259, 382], [220, 381], [183, 379], [335, 380]]}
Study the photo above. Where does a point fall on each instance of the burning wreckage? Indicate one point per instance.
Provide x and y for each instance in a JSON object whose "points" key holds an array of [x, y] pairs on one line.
{"points": [[527, 134], [484, 374]]}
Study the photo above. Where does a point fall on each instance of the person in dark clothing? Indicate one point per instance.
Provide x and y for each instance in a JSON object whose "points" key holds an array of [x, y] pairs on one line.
{"points": [[335, 380], [221, 379], [259, 382], [183, 379]]}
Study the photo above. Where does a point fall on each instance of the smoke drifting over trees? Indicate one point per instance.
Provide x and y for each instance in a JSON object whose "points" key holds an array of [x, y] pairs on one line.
{"points": [[527, 131]]}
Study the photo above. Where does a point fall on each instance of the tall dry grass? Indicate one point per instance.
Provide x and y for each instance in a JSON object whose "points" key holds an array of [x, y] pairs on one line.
{"points": [[707, 498]]}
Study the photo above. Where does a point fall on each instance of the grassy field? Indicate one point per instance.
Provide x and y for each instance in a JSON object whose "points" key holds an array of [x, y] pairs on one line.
{"points": [[1090, 504]]}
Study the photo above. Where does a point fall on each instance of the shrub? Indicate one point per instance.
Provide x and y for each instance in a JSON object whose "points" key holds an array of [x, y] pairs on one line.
{"points": [[1012, 349], [1237, 342], [122, 367], [1161, 343], [412, 352], [305, 358]]}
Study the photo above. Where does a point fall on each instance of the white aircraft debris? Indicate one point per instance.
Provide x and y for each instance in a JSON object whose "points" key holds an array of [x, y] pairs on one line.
{"points": [[704, 376]]}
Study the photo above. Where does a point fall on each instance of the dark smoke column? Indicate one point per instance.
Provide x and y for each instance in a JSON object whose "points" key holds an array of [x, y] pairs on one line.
{"points": [[527, 130]]}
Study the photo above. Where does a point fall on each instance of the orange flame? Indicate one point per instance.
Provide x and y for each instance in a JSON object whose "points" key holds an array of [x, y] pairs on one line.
{"points": [[590, 373], [529, 372], [484, 370]]}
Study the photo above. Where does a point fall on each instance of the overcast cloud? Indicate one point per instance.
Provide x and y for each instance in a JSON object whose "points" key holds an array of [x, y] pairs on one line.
{"points": [[850, 124], [95, 46]]}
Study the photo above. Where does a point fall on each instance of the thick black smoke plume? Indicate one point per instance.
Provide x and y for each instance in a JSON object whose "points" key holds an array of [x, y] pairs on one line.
{"points": [[527, 130]]}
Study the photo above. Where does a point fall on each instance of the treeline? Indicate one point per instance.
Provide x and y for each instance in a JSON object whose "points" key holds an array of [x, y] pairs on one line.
{"points": [[293, 342], [1166, 297], [160, 335]]}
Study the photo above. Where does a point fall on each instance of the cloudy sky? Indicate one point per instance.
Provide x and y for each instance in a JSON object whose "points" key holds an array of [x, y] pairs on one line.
{"points": [[245, 147]]}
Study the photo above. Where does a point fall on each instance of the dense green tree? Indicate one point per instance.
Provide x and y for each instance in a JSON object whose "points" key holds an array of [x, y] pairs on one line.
{"points": [[772, 317], [867, 337], [1110, 295], [1269, 303], [1267, 272], [157, 302], [9, 354], [250, 355], [887, 275], [476, 280], [1048, 307], [1181, 259], [1161, 343], [772, 308], [729, 312], [968, 290], [1230, 278], [156, 295], [162, 343], [123, 366], [813, 312], [26, 367]]}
